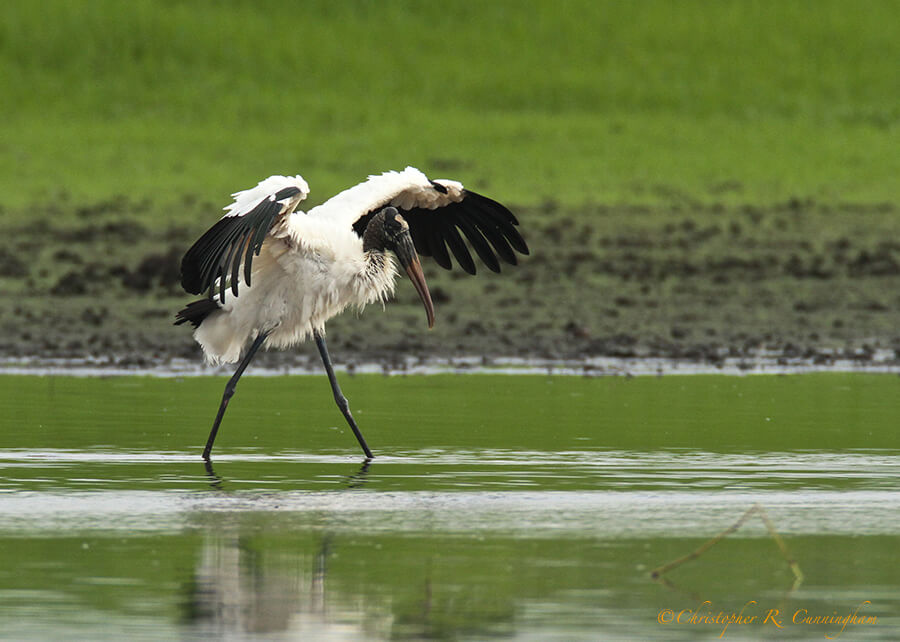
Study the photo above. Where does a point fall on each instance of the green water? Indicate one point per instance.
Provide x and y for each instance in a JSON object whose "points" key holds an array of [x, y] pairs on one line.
{"points": [[516, 506]]}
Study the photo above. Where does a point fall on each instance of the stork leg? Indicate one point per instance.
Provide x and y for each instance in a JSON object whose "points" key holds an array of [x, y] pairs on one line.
{"points": [[339, 397], [229, 390]]}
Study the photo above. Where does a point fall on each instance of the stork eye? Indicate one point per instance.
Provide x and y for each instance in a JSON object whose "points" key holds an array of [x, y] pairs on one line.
{"points": [[394, 222]]}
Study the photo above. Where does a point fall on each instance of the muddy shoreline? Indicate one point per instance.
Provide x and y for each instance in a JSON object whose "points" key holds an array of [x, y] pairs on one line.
{"points": [[794, 283]]}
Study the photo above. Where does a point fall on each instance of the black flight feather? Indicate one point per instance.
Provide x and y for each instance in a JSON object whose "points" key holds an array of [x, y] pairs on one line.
{"points": [[436, 246], [488, 226], [504, 219], [460, 251], [495, 237], [233, 240], [480, 245], [286, 192]]}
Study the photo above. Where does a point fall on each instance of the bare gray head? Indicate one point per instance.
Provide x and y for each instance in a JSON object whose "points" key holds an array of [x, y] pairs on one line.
{"points": [[388, 230]]}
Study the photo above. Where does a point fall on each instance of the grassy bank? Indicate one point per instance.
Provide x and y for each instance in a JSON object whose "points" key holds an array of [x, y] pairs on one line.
{"points": [[576, 102]]}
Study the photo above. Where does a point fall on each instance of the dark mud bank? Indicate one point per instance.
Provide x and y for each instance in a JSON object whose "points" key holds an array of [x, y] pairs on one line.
{"points": [[794, 281]]}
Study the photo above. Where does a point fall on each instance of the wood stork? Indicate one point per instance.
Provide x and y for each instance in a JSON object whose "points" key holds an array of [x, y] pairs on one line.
{"points": [[273, 274]]}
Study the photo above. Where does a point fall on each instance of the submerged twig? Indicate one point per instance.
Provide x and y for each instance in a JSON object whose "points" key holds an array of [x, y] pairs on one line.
{"points": [[658, 573]]}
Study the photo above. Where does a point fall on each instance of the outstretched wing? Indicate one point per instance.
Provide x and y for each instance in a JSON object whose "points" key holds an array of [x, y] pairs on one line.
{"points": [[440, 214], [215, 260], [488, 226]]}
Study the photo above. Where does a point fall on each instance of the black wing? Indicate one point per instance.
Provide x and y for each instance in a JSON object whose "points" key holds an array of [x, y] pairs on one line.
{"points": [[218, 254], [489, 227]]}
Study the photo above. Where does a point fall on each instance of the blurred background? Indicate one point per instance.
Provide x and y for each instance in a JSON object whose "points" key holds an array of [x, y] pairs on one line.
{"points": [[696, 179]]}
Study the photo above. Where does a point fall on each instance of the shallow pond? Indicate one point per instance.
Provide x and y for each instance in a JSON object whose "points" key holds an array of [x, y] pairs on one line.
{"points": [[518, 506]]}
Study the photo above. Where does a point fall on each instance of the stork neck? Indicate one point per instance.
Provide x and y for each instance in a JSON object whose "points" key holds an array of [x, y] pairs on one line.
{"points": [[373, 237]]}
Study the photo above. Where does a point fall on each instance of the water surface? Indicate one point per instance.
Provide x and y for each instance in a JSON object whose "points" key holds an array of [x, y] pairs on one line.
{"points": [[525, 507]]}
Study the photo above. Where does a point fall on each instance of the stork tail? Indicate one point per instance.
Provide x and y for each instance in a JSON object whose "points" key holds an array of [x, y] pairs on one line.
{"points": [[196, 312]]}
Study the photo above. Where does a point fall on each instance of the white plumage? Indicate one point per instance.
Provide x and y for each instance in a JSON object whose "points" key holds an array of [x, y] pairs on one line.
{"points": [[274, 274], [311, 266], [306, 273], [246, 200], [404, 190]]}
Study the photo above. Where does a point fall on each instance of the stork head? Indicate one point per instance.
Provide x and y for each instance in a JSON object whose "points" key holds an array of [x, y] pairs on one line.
{"points": [[388, 230]]}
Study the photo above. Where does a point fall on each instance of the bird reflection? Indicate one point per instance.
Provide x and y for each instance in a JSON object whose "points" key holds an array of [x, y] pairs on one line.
{"points": [[237, 588], [230, 592], [240, 586]]}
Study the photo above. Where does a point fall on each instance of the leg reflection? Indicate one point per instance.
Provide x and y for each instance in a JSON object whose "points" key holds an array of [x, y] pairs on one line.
{"points": [[215, 482], [360, 477]]}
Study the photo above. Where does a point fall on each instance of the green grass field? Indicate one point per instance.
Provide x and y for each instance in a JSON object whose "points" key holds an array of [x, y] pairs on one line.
{"points": [[575, 102]]}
